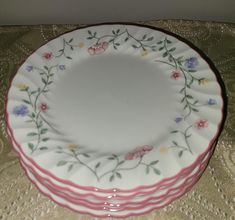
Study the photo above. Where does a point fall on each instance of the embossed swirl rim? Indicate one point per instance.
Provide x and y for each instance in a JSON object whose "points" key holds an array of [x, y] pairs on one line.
{"points": [[191, 62]]}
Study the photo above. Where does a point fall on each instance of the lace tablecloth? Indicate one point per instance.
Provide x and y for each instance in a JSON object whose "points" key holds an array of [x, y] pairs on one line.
{"points": [[213, 197]]}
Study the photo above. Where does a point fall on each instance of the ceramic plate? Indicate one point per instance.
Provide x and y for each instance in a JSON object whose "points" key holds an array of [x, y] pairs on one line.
{"points": [[111, 106]]}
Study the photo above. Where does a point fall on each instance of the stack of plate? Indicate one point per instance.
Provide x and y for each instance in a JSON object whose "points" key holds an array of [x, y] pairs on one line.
{"points": [[115, 120]]}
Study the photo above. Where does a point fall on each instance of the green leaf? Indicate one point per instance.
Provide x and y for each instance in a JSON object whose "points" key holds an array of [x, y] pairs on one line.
{"points": [[31, 146], [164, 54], [44, 130], [70, 40], [195, 110], [147, 170], [161, 48], [195, 102], [117, 44], [150, 38], [180, 153], [170, 58], [89, 32], [159, 42], [185, 106], [97, 165], [114, 155], [118, 175], [134, 46], [43, 148], [175, 143], [156, 171], [89, 38], [113, 32], [172, 49], [70, 167], [33, 92], [154, 162], [71, 48], [168, 41], [182, 90], [174, 131], [192, 71], [182, 100], [111, 178], [26, 101], [86, 155], [61, 163], [32, 134], [111, 158], [189, 96], [144, 37], [115, 47], [121, 162], [49, 82], [118, 30], [59, 147], [68, 57], [52, 74], [46, 68], [188, 136], [94, 34], [45, 139], [44, 81], [126, 39]]}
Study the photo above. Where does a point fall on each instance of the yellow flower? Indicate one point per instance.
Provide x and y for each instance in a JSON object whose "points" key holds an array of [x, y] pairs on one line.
{"points": [[144, 52], [163, 150], [81, 45], [203, 81], [22, 86], [72, 147]]}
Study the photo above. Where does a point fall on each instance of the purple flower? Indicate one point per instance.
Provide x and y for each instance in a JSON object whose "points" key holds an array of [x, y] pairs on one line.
{"points": [[191, 62], [178, 119], [20, 110], [211, 102], [29, 68], [62, 67]]}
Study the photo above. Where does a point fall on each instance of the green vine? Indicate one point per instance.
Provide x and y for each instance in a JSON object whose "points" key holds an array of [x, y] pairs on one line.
{"points": [[186, 135], [113, 173], [142, 43], [190, 103]]}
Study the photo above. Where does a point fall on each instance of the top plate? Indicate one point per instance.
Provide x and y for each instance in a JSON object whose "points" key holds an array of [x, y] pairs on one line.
{"points": [[106, 106]]}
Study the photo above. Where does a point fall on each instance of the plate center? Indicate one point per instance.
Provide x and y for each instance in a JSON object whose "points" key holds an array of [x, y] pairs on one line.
{"points": [[113, 103]]}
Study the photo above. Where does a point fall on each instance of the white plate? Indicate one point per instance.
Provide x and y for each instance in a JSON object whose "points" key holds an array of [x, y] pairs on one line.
{"points": [[114, 107]]}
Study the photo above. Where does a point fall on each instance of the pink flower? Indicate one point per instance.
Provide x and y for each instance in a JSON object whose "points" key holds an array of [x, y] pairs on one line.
{"points": [[98, 48], [175, 75], [47, 55], [201, 124], [43, 107], [138, 152]]}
